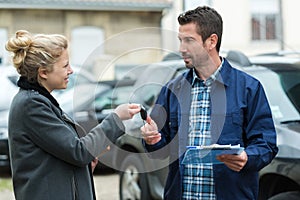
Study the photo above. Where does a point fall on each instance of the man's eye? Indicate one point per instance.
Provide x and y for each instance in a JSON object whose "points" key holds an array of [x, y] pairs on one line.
{"points": [[188, 40]]}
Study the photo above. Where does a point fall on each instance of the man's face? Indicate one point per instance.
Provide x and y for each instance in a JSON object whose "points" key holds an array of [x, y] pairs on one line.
{"points": [[192, 48]]}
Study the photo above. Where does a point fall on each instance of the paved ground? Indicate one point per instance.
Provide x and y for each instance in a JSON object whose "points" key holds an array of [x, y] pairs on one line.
{"points": [[107, 186], [106, 183]]}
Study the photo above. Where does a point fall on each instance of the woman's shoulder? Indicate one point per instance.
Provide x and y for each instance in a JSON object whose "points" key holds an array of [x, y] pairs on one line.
{"points": [[27, 98]]}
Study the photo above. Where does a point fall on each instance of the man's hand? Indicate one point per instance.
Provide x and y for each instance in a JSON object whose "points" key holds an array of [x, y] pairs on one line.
{"points": [[234, 162], [150, 133]]}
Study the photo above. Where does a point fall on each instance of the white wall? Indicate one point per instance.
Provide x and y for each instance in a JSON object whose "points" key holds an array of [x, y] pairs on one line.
{"points": [[236, 23], [291, 24], [3, 52], [85, 40]]}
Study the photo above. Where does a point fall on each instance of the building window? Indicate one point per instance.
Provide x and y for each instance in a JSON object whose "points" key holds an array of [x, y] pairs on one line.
{"points": [[264, 27], [265, 20]]}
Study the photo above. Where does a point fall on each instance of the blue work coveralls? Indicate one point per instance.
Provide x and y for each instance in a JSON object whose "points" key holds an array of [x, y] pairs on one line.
{"points": [[240, 114]]}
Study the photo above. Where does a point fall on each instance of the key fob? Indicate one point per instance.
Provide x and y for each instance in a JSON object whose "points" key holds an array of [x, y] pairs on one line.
{"points": [[143, 113]]}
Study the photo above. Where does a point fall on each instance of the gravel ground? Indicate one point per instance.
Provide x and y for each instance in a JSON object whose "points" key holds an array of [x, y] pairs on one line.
{"points": [[106, 184]]}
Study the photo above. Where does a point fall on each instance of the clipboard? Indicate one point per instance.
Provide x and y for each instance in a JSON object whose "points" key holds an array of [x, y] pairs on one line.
{"points": [[208, 154]]}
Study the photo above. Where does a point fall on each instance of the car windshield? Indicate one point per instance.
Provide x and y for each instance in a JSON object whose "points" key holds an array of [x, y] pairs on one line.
{"points": [[282, 89], [148, 86], [290, 81]]}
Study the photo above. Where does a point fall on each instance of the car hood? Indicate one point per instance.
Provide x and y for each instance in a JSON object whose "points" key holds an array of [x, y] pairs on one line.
{"points": [[288, 137]]}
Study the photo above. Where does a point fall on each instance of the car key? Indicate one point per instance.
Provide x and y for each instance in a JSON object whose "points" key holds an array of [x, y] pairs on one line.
{"points": [[143, 113]]}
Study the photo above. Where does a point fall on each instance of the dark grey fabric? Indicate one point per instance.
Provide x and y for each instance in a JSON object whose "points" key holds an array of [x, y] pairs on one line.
{"points": [[48, 158]]}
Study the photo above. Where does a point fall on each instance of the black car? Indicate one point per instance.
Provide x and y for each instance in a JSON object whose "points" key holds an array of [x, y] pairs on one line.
{"points": [[144, 178]]}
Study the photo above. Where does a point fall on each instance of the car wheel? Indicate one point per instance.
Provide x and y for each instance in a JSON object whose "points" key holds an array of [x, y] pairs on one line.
{"points": [[133, 185]]}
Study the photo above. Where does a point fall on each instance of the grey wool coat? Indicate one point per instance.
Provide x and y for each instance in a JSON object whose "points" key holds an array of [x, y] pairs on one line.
{"points": [[49, 159]]}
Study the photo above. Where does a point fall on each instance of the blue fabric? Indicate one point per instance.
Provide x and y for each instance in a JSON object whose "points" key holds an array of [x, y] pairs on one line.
{"points": [[240, 114]]}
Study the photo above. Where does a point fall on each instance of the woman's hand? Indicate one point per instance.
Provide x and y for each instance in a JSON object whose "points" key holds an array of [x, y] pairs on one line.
{"points": [[126, 111], [94, 164]]}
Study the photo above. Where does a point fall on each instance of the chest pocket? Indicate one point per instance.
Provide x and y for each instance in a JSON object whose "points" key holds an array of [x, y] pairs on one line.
{"points": [[233, 128]]}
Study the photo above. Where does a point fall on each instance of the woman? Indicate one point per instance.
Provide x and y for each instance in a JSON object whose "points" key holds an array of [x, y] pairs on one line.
{"points": [[50, 157]]}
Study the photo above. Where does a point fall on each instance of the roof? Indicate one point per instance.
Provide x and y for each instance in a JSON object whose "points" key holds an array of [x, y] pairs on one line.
{"points": [[122, 5]]}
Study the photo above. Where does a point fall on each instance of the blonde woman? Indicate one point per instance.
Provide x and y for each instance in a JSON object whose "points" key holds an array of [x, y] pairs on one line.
{"points": [[50, 158]]}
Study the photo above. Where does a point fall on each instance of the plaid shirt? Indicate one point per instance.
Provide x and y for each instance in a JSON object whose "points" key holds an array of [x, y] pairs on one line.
{"points": [[198, 182]]}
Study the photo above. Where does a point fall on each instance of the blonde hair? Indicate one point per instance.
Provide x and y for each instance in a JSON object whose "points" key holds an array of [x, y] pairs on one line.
{"points": [[30, 52]]}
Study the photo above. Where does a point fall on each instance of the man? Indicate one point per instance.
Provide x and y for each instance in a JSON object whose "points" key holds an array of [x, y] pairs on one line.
{"points": [[210, 103]]}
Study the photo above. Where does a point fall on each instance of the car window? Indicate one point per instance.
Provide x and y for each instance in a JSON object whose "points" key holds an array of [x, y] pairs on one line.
{"points": [[159, 73], [274, 86], [290, 81], [146, 92], [112, 98]]}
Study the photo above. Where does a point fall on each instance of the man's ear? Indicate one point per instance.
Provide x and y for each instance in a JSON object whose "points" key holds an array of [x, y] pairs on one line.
{"points": [[213, 40], [43, 73]]}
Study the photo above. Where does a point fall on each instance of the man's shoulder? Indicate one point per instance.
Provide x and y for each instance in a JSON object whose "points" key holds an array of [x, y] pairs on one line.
{"points": [[185, 76], [238, 71]]}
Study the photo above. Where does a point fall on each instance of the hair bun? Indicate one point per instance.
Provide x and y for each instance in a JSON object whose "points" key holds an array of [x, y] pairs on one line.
{"points": [[19, 46]]}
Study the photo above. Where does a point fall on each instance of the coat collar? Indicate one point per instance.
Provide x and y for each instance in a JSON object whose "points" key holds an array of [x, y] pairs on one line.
{"points": [[222, 77], [27, 85]]}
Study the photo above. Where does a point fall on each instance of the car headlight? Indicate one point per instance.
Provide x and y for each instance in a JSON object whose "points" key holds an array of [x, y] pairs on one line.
{"points": [[3, 133]]}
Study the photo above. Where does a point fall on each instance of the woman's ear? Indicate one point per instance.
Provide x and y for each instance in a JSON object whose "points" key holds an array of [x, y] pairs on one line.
{"points": [[43, 73]]}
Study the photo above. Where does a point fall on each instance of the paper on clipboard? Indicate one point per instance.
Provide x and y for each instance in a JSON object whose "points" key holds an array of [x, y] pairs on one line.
{"points": [[207, 154]]}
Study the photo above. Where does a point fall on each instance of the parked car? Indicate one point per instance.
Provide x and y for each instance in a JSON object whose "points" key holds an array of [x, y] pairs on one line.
{"points": [[4, 150], [8, 81], [281, 178], [140, 176], [143, 178]]}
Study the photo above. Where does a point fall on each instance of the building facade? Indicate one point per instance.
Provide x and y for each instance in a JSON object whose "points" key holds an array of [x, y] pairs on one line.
{"points": [[109, 35], [251, 26], [103, 34]]}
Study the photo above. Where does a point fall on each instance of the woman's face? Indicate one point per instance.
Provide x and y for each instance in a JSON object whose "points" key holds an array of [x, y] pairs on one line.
{"points": [[58, 78]]}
